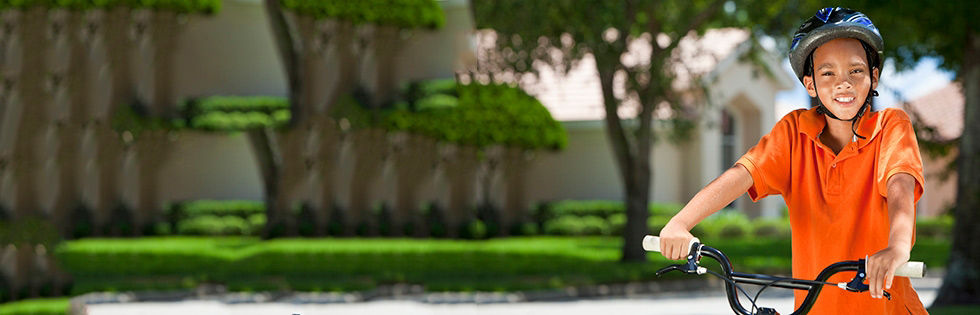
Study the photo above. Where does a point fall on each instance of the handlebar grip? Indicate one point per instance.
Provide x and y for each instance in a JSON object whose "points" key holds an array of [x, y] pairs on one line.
{"points": [[912, 269], [652, 243]]}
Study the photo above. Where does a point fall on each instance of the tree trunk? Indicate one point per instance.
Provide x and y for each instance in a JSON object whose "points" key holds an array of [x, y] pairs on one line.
{"points": [[163, 37], [346, 48], [961, 285], [637, 213], [370, 146], [27, 163], [285, 44], [515, 194], [69, 187], [6, 17], [633, 166], [266, 153], [327, 159], [413, 164], [152, 151], [292, 147], [115, 31], [461, 170], [385, 43]]}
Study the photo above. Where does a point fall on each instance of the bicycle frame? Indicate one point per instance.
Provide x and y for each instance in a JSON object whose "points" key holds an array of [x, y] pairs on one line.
{"points": [[813, 287]]}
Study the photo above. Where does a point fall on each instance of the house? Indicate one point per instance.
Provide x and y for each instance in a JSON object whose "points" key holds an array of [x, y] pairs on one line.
{"points": [[739, 111], [941, 109]]}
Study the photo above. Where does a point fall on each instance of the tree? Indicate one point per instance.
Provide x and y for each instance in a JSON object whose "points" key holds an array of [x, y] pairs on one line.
{"points": [[303, 31], [529, 32], [913, 30]]}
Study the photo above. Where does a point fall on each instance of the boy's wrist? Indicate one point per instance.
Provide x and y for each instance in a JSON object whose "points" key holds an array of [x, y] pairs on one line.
{"points": [[902, 246]]}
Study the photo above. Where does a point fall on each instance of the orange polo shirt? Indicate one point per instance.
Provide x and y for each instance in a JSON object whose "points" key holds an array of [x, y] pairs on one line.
{"points": [[837, 202]]}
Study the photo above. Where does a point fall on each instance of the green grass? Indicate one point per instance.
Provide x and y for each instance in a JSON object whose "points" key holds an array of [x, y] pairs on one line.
{"points": [[504, 264], [55, 306], [956, 310]]}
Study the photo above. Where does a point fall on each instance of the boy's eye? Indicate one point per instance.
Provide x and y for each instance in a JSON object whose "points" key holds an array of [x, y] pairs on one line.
{"points": [[828, 73], [857, 71]]}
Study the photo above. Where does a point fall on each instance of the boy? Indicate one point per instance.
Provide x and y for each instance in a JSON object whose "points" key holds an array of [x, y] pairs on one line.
{"points": [[850, 177]]}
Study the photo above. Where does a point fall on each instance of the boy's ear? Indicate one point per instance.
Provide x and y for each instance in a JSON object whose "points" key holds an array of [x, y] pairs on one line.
{"points": [[812, 90], [874, 78]]}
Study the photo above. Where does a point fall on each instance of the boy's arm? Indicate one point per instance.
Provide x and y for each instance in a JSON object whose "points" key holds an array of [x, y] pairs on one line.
{"points": [[676, 236], [901, 214]]}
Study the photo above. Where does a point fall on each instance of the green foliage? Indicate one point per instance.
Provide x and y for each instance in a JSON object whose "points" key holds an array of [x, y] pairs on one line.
{"points": [[481, 115], [215, 225], [29, 230], [134, 120], [939, 228], [475, 115], [600, 208], [180, 6], [235, 113], [48, 306], [217, 217], [726, 224], [577, 226], [911, 29], [241, 208], [771, 228], [398, 13]]}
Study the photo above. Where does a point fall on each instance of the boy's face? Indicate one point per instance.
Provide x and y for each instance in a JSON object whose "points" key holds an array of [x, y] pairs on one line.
{"points": [[841, 76]]}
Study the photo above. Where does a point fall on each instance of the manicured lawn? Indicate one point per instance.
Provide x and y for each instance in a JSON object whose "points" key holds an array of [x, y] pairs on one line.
{"points": [[56, 306], [339, 264]]}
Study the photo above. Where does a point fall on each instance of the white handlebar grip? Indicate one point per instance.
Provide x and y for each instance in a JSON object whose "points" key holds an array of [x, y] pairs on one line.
{"points": [[912, 269], [652, 243]]}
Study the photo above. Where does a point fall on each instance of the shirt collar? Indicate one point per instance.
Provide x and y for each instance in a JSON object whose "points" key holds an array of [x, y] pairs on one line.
{"points": [[812, 123]]}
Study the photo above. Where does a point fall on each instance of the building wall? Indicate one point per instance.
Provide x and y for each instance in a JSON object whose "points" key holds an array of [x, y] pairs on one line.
{"points": [[587, 169]]}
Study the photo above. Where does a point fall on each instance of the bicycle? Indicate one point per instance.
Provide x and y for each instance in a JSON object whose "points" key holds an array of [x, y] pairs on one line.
{"points": [[912, 269]]}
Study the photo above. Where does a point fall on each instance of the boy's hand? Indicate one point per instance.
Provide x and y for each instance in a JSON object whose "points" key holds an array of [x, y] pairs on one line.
{"points": [[882, 266], [674, 241]]}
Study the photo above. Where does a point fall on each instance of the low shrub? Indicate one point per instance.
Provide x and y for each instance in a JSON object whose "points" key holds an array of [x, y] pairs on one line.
{"points": [[240, 208], [771, 228], [214, 226], [936, 228], [575, 225]]}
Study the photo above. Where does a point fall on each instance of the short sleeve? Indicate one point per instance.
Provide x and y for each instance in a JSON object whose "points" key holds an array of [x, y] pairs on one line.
{"points": [[769, 161], [898, 153]]}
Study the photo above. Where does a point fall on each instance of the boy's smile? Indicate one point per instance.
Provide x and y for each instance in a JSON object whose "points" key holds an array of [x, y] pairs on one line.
{"points": [[841, 76]]}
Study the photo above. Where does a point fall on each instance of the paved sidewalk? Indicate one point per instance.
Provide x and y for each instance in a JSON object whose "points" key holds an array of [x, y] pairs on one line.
{"points": [[662, 303], [677, 305]]}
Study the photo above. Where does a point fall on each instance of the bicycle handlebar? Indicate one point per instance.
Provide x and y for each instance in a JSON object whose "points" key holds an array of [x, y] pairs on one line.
{"points": [[813, 287], [912, 269]]}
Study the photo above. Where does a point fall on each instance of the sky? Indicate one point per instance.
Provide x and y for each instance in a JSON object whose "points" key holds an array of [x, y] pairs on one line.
{"points": [[909, 84]]}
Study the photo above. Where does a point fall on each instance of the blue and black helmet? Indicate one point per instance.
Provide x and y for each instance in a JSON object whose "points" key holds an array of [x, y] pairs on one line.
{"points": [[829, 24]]}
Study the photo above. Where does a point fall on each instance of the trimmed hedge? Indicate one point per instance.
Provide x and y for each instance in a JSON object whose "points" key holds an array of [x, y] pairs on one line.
{"points": [[216, 217], [236, 113], [400, 13], [475, 115]]}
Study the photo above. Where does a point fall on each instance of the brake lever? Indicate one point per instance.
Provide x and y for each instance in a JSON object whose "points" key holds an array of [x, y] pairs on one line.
{"points": [[669, 269], [691, 267], [857, 284]]}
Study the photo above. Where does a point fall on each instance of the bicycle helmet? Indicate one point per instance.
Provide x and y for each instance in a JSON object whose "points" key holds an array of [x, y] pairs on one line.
{"points": [[829, 24]]}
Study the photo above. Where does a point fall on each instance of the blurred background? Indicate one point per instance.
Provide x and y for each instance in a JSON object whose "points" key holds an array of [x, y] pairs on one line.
{"points": [[173, 147]]}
